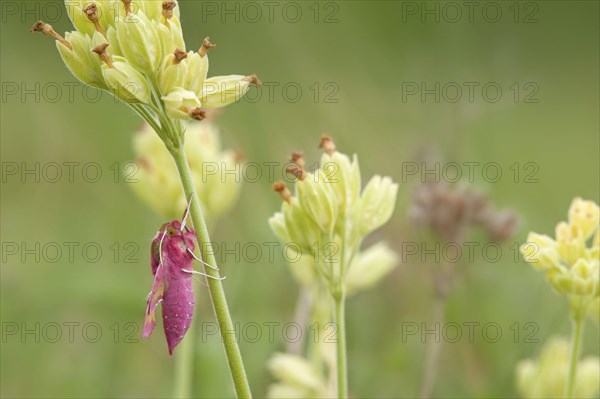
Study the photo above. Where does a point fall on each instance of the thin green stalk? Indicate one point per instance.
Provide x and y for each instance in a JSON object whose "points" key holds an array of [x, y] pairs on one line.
{"points": [[576, 334], [184, 364], [234, 358], [144, 114], [342, 368]]}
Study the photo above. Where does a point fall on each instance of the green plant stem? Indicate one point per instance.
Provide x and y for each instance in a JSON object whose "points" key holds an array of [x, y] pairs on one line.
{"points": [[217, 293], [342, 369], [184, 364], [576, 333]]}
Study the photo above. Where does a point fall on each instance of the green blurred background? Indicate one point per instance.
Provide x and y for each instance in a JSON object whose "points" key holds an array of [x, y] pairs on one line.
{"points": [[367, 53]]}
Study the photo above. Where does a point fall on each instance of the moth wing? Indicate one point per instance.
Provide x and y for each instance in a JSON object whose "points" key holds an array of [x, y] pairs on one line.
{"points": [[154, 298], [178, 308], [155, 253]]}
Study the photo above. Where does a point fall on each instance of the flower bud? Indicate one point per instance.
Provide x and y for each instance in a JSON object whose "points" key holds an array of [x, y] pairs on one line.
{"points": [[170, 36], [182, 104], [585, 277], [587, 382], [111, 36], [139, 42], [377, 204], [328, 219], [197, 70], [570, 243], [80, 60], [369, 267], [318, 198], [125, 82], [220, 91], [279, 227], [540, 251], [585, 216], [561, 280], [78, 17], [546, 376], [154, 8], [89, 16], [294, 371], [344, 176], [284, 391], [172, 72], [301, 229]]}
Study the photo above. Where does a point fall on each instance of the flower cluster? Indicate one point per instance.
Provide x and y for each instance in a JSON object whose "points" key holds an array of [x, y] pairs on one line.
{"points": [[329, 216], [135, 50], [570, 261], [157, 182], [451, 210], [368, 267], [298, 378], [545, 377]]}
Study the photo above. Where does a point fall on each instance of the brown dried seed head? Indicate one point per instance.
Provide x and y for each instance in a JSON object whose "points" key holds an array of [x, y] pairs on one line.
{"points": [[253, 79], [197, 114], [180, 55], [103, 54], [206, 45], [92, 12], [327, 144], [94, 16], [167, 9], [41, 26], [296, 171], [298, 158], [281, 188], [169, 5], [127, 4], [100, 49], [46, 29]]}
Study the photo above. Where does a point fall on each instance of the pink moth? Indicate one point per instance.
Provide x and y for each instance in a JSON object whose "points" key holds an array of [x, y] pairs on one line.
{"points": [[172, 254]]}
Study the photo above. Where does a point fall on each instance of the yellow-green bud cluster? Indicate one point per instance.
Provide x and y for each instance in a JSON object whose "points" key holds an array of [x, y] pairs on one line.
{"points": [[546, 376], [328, 217], [369, 266], [297, 378], [156, 180], [140, 51], [570, 261]]}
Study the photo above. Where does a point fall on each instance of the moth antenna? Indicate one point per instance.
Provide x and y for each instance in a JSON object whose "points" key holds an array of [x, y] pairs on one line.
{"points": [[201, 261], [200, 281], [202, 274], [160, 247], [186, 213]]}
